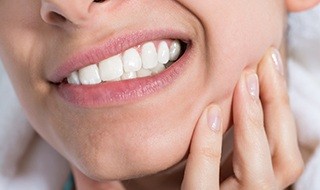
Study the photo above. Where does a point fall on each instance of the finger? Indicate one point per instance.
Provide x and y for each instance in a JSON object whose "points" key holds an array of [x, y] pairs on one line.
{"points": [[226, 166], [279, 120], [203, 164], [252, 159]]}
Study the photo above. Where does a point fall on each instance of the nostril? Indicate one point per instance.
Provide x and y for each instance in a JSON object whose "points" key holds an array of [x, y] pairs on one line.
{"points": [[98, 1], [56, 17], [59, 13]]}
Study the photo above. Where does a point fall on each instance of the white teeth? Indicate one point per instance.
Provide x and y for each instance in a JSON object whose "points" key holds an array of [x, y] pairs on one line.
{"points": [[89, 75], [129, 64], [149, 55], [175, 50], [163, 53], [130, 75], [131, 60], [144, 73], [159, 68], [117, 79], [74, 78], [111, 69]]}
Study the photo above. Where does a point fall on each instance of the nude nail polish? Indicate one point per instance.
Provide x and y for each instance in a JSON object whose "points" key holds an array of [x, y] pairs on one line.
{"points": [[253, 85], [277, 61], [214, 118]]}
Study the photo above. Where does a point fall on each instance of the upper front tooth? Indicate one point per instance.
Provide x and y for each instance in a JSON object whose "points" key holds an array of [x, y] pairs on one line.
{"points": [[131, 60], [175, 50], [89, 75], [149, 55], [129, 64], [163, 53], [111, 69], [74, 78]]}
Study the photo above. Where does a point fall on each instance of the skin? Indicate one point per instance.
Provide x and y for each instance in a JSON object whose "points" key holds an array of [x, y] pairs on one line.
{"points": [[98, 142]]}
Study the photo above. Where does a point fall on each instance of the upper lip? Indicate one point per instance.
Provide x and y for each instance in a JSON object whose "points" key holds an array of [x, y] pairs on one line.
{"points": [[110, 47]]}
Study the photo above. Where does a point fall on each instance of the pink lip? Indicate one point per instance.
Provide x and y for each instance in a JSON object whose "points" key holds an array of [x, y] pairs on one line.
{"points": [[116, 93], [120, 92], [112, 47]]}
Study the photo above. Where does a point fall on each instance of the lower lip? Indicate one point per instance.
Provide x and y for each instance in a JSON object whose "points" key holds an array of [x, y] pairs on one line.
{"points": [[122, 92]]}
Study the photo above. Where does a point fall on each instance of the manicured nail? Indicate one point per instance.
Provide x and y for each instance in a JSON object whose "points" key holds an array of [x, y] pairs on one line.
{"points": [[253, 85], [277, 61], [214, 118]]}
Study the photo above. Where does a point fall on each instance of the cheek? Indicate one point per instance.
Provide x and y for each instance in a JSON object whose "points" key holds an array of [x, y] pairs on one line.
{"points": [[237, 35], [239, 32], [20, 42]]}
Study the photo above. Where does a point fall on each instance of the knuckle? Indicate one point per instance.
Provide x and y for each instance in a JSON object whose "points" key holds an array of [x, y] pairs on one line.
{"points": [[255, 118], [269, 183], [261, 184], [267, 186], [210, 154], [295, 172], [292, 171]]}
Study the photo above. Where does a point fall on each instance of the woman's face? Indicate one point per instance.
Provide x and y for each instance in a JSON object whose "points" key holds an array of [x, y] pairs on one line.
{"points": [[127, 128]]}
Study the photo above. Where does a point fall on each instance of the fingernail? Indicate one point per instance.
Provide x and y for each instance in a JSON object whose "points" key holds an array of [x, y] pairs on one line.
{"points": [[277, 61], [214, 118], [253, 85]]}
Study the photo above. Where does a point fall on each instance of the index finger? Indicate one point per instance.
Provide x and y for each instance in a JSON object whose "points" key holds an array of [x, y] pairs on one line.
{"points": [[203, 164]]}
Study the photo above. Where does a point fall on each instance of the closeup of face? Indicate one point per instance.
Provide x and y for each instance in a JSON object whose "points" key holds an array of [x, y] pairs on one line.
{"points": [[121, 118]]}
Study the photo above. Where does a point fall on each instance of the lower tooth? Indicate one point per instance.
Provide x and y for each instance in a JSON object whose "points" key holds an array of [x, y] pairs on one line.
{"points": [[159, 68], [168, 64], [130, 75], [144, 73], [117, 79]]}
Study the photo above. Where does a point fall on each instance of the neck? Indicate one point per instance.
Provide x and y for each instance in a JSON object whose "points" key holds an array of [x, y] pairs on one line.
{"points": [[169, 179], [82, 182]]}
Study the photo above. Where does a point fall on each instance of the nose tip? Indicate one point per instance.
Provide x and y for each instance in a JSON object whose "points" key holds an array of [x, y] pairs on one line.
{"points": [[60, 12]]}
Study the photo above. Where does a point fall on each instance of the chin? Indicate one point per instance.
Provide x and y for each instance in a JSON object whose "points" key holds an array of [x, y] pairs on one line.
{"points": [[138, 165], [137, 154]]}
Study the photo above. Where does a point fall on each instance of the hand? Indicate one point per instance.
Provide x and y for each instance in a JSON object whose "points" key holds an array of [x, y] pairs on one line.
{"points": [[266, 153]]}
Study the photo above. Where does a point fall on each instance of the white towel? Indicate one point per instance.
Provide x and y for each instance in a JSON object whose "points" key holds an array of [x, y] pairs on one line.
{"points": [[26, 161], [304, 79], [29, 163]]}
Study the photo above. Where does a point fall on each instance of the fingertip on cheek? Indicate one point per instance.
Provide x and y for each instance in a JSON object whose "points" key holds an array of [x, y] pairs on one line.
{"points": [[273, 61], [277, 61], [214, 119], [252, 84]]}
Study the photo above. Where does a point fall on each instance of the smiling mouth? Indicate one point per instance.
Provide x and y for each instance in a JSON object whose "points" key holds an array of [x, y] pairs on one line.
{"points": [[124, 69], [148, 59]]}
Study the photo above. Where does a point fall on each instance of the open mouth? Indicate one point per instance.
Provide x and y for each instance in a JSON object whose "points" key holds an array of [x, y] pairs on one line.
{"points": [[123, 69], [148, 59]]}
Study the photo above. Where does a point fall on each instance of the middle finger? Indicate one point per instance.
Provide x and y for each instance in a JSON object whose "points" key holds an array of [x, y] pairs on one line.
{"points": [[252, 159]]}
